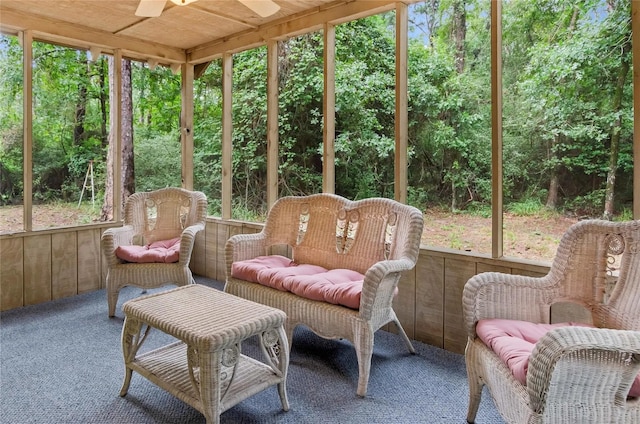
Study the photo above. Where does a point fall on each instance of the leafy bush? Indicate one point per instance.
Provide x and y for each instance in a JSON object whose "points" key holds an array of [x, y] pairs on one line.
{"points": [[157, 162], [526, 207]]}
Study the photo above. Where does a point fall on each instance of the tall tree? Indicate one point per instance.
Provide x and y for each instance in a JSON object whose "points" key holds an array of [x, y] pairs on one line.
{"points": [[623, 71], [127, 170], [558, 139], [81, 101], [103, 98], [458, 36]]}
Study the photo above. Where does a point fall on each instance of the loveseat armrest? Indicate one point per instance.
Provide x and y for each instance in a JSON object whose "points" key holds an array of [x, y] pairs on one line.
{"points": [[506, 296], [240, 247], [114, 237], [380, 283], [587, 365], [187, 241]]}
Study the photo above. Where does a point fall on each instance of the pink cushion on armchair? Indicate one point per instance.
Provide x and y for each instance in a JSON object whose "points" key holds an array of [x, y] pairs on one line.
{"points": [[163, 251], [513, 341]]}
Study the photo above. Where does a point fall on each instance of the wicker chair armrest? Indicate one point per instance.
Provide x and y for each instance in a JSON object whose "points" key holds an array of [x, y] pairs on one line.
{"points": [[240, 247], [114, 237], [380, 282], [595, 365], [508, 296], [187, 240]]}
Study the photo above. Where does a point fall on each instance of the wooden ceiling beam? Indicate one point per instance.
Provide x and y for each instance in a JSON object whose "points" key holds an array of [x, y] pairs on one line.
{"points": [[308, 21], [77, 36]]}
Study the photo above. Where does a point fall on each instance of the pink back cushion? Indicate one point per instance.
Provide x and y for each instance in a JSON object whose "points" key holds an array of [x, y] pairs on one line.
{"points": [[513, 341], [164, 251]]}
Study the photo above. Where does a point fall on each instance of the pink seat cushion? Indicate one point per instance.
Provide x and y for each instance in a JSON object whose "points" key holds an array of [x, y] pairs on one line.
{"points": [[248, 270], [336, 286], [164, 251], [513, 341]]}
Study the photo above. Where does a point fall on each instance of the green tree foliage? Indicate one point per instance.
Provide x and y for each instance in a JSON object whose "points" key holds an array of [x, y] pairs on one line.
{"points": [[300, 123], [562, 68], [66, 120], [564, 93], [365, 108], [11, 133]]}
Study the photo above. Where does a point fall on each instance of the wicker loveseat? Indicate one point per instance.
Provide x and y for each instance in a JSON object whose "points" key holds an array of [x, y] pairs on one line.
{"points": [[543, 364], [308, 258]]}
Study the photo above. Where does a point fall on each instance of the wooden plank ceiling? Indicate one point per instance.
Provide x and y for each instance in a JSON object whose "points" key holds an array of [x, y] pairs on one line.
{"points": [[195, 33]]}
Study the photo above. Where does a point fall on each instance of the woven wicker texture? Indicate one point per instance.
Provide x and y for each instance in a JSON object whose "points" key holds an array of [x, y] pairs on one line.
{"points": [[575, 374], [206, 368], [153, 216], [377, 237]]}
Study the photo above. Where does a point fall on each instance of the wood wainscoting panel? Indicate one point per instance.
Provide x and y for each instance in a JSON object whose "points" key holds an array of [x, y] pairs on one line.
{"points": [[222, 236], [429, 303], [404, 304], [37, 269], [528, 272], [211, 249], [198, 262], [104, 266], [457, 272], [89, 260], [482, 267], [226, 230], [11, 273], [64, 264]]}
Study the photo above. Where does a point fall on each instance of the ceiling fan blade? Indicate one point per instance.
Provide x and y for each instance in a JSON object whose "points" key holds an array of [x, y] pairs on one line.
{"points": [[150, 8], [263, 8]]}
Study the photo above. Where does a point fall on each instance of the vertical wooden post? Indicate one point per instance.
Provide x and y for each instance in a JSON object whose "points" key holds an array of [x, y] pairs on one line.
{"points": [[402, 117], [329, 110], [227, 127], [117, 139], [635, 43], [27, 125], [186, 125], [273, 141], [496, 129]]}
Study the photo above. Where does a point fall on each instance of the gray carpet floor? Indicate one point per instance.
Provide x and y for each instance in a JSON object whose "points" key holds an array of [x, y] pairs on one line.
{"points": [[61, 362]]}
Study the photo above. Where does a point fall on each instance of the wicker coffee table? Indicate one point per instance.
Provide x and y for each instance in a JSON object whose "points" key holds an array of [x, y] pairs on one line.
{"points": [[205, 367]]}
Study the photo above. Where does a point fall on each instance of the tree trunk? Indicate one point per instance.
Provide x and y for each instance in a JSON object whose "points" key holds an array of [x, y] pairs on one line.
{"points": [[128, 170], [614, 150], [459, 33], [103, 97], [81, 101], [128, 176], [554, 179], [106, 213]]}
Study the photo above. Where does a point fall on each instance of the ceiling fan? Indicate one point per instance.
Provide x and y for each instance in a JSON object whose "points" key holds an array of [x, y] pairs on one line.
{"points": [[154, 8]]}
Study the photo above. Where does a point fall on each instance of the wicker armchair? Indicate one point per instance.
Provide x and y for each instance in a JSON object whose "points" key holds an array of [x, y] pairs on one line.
{"points": [[150, 217], [575, 374]]}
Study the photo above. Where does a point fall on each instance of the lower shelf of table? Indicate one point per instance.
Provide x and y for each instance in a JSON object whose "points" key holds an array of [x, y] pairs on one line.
{"points": [[167, 368]]}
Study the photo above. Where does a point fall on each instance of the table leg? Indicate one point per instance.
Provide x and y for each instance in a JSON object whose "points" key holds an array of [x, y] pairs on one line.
{"points": [[209, 384], [132, 339], [275, 347]]}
